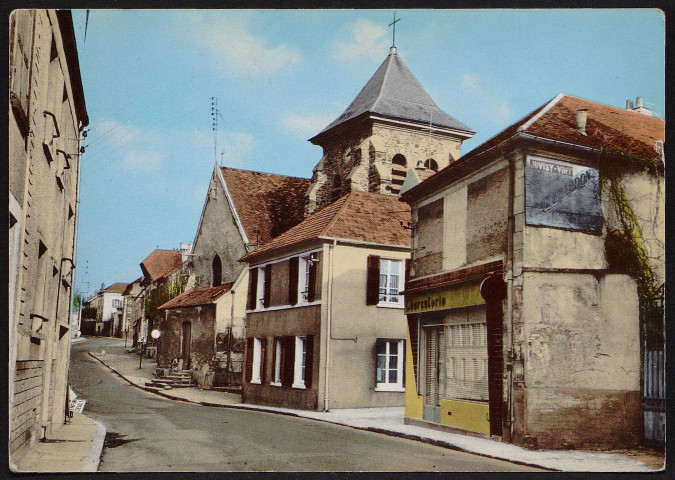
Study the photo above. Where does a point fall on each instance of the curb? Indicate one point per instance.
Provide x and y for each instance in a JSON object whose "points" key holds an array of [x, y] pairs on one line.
{"points": [[93, 458]]}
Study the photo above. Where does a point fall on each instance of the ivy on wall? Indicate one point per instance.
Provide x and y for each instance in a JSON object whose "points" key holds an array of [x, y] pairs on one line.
{"points": [[162, 294], [624, 247]]}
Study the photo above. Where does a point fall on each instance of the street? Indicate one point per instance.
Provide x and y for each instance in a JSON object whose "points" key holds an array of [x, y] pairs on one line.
{"points": [[150, 433]]}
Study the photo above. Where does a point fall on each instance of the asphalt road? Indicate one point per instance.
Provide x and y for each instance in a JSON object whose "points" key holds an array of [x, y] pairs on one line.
{"points": [[150, 433]]}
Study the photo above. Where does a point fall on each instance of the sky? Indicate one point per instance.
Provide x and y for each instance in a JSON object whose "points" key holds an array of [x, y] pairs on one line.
{"points": [[280, 77]]}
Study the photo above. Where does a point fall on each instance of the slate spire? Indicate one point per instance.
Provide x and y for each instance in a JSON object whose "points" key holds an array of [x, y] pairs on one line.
{"points": [[394, 92]]}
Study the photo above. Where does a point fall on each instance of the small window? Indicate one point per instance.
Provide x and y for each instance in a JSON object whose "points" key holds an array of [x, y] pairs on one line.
{"points": [[300, 362], [431, 164], [389, 365], [398, 172], [217, 269], [260, 291], [306, 277], [278, 346], [257, 361], [390, 281]]}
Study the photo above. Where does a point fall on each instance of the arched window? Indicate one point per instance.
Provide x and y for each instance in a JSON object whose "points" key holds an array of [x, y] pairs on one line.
{"points": [[398, 170], [431, 164], [217, 268]]}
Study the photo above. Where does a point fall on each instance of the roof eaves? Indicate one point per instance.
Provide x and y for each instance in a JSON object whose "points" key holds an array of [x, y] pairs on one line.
{"points": [[366, 243], [233, 207], [541, 113]]}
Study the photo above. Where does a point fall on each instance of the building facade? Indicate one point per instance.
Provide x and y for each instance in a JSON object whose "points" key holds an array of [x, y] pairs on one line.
{"points": [[531, 258], [47, 115], [324, 324]]}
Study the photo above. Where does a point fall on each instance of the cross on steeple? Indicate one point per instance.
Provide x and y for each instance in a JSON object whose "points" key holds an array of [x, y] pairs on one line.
{"points": [[393, 44]]}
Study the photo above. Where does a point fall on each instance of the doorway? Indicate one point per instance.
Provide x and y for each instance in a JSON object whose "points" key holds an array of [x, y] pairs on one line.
{"points": [[434, 379], [185, 346]]}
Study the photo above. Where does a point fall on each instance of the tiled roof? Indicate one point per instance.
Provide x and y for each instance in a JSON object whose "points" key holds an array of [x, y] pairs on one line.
{"points": [[394, 92], [607, 127], [197, 296], [116, 288], [161, 263], [267, 204], [362, 216], [130, 286]]}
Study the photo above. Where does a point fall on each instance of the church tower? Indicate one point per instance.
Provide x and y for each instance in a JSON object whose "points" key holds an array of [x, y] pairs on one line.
{"points": [[391, 126]]}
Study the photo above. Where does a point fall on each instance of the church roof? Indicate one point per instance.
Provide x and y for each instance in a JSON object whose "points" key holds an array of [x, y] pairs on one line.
{"points": [[267, 204], [361, 216], [394, 92]]}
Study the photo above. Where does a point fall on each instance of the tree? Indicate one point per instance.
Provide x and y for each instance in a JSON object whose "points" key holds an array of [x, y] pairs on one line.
{"points": [[89, 312], [77, 301]]}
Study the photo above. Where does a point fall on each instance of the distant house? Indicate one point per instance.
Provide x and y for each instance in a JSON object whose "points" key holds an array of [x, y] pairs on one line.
{"points": [[162, 278], [324, 324], [133, 308], [242, 210], [536, 258], [108, 302]]}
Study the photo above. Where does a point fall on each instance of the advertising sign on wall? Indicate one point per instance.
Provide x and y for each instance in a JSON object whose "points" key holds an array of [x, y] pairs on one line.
{"points": [[562, 195]]}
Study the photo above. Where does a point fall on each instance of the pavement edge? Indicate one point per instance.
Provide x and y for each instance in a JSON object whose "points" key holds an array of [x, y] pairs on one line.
{"points": [[93, 457]]}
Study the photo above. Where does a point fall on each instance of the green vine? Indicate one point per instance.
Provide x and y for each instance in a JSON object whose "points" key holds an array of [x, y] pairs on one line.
{"points": [[162, 294], [625, 248]]}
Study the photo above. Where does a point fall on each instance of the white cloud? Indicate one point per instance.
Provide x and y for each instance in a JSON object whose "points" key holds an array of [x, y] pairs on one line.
{"points": [[236, 147], [142, 161], [368, 40], [245, 53], [485, 100], [307, 124]]}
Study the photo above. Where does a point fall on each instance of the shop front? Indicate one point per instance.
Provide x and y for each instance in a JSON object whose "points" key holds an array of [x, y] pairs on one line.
{"points": [[456, 333]]}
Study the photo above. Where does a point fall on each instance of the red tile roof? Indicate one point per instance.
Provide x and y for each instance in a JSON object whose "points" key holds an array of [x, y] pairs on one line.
{"points": [[607, 127], [116, 288], [197, 296], [130, 286], [267, 204], [161, 263], [362, 216]]}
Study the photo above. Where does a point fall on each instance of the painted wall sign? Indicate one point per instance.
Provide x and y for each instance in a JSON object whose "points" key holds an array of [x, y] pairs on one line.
{"points": [[454, 296], [562, 195]]}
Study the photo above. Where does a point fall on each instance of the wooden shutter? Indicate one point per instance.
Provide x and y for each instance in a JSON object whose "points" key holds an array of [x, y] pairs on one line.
{"points": [[252, 288], [309, 357], [293, 280], [287, 360], [373, 282], [311, 288], [268, 286], [249, 358]]}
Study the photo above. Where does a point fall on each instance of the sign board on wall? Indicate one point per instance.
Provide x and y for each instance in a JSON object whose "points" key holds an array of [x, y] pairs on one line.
{"points": [[562, 195]]}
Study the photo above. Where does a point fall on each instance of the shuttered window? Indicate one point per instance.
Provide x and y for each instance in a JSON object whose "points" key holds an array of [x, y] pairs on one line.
{"points": [[467, 361], [256, 369]]}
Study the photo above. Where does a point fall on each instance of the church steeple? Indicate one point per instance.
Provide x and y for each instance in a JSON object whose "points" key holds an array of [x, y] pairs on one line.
{"points": [[391, 126]]}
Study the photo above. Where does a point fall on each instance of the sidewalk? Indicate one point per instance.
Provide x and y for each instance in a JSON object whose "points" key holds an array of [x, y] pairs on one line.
{"points": [[73, 447], [390, 421]]}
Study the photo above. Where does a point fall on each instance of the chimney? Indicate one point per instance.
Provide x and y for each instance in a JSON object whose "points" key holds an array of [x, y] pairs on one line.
{"points": [[640, 108], [582, 115], [102, 286], [629, 104]]}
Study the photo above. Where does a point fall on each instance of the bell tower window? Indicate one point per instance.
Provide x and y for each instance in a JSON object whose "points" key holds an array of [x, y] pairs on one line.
{"points": [[398, 171]]}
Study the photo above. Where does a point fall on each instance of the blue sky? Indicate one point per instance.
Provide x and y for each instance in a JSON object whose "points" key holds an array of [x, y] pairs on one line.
{"points": [[281, 76]]}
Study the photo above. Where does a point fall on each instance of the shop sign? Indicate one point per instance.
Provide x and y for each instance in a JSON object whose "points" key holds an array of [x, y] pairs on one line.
{"points": [[454, 296]]}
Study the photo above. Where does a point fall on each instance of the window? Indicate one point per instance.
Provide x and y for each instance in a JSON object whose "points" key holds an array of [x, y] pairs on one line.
{"points": [[256, 367], [389, 366], [217, 270], [398, 172], [300, 362], [431, 164], [307, 278], [386, 278], [277, 361]]}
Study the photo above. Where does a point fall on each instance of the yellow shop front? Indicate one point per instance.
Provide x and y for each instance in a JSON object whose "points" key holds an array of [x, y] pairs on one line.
{"points": [[453, 332]]}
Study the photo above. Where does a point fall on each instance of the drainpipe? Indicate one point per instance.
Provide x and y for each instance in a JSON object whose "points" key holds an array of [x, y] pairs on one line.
{"points": [[229, 341], [509, 297]]}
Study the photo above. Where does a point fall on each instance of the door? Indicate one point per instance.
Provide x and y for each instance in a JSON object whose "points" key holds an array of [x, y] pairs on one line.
{"points": [[434, 378], [185, 348]]}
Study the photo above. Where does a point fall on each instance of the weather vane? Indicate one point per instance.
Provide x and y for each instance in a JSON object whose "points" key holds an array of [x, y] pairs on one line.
{"points": [[393, 44]]}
